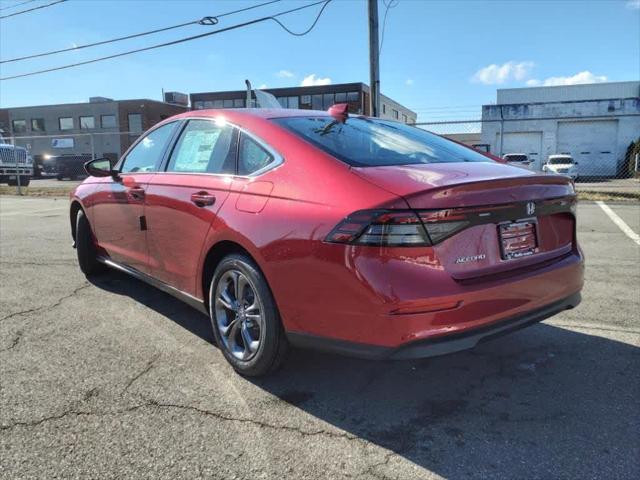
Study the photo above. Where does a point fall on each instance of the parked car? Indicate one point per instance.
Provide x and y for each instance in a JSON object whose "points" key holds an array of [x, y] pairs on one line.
{"points": [[562, 164], [518, 159], [15, 164], [355, 235], [65, 166]]}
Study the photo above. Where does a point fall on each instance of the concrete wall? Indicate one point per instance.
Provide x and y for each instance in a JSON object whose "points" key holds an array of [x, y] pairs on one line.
{"points": [[549, 119]]}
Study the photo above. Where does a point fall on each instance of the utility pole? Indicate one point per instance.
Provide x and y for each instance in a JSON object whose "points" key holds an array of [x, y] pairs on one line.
{"points": [[374, 58]]}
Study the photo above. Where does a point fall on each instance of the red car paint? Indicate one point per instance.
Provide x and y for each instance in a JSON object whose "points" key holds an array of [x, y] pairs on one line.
{"points": [[382, 296]]}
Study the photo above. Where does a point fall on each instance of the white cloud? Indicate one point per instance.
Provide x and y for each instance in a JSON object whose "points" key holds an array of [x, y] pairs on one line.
{"points": [[633, 4], [312, 79], [285, 74], [497, 74], [409, 82], [577, 79], [263, 86]]}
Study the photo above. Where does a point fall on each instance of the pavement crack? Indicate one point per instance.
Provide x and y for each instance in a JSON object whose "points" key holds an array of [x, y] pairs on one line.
{"points": [[371, 469], [55, 304], [141, 373], [14, 343], [257, 423]]}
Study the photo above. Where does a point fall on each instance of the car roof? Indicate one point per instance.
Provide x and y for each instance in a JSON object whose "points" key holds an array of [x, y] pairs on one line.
{"points": [[255, 112]]}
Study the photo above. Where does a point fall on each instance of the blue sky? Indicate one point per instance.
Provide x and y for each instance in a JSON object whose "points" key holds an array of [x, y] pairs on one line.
{"points": [[441, 58]]}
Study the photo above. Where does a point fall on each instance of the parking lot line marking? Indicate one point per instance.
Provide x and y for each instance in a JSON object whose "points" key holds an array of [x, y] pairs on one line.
{"points": [[619, 222]]}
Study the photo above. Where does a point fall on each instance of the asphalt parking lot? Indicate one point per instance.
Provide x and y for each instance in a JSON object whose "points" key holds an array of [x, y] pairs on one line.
{"points": [[113, 378]]}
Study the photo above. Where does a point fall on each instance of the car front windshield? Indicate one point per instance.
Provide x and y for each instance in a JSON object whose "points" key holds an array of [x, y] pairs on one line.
{"points": [[364, 142], [560, 161]]}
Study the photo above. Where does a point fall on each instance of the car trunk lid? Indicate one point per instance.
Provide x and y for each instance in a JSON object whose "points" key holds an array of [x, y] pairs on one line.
{"points": [[509, 218]]}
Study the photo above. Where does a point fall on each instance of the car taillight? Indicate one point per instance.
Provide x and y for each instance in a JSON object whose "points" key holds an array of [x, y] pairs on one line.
{"points": [[399, 228], [441, 224], [382, 228]]}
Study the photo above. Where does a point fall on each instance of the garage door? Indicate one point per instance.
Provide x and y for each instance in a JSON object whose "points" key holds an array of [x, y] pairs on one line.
{"points": [[523, 142], [592, 144]]}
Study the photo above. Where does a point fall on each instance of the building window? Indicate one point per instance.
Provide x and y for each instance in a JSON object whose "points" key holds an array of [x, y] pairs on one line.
{"points": [[282, 101], [353, 97], [208, 104], [396, 114], [238, 103], [227, 103], [87, 123], [384, 108], [327, 101], [199, 105], [316, 102], [108, 121], [341, 97], [37, 124], [218, 104], [404, 118], [19, 126], [135, 122], [305, 101], [293, 102], [65, 123]]}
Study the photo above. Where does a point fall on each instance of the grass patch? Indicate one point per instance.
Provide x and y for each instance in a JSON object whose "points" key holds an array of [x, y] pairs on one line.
{"points": [[593, 195], [38, 191]]}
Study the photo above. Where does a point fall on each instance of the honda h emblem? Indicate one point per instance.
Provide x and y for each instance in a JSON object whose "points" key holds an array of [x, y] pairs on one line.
{"points": [[531, 208]]}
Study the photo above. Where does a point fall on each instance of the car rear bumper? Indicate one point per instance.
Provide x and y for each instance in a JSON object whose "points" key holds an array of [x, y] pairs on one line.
{"points": [[440, 345]]}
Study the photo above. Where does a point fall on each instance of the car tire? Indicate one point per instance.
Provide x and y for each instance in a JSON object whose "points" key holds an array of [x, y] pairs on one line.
{"points": [[25, 181], [86, 247], [246, 325]]}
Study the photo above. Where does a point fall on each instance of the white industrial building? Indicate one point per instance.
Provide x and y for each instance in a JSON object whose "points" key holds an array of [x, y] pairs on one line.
{"points": [[594, 123]]}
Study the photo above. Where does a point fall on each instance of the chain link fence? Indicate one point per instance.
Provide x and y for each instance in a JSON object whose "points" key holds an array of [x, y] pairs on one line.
{"points": [[600, 153], [60, 156]]}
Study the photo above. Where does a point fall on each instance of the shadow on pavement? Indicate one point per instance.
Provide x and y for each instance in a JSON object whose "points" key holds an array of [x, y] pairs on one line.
{"points": [[544, 402]]}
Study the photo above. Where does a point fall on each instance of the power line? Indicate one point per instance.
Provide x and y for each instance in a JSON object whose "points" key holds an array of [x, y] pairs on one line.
{"points": [[17, 5], [302, 34], [388, 6], [202, 21], [175, 42], [32, 9]]}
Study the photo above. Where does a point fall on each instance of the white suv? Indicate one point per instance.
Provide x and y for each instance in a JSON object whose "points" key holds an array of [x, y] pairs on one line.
{"points": [[561, 164]]}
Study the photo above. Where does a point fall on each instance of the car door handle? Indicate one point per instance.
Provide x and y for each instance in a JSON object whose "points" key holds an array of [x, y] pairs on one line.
{"points": [[203, 199], [137, 192]]}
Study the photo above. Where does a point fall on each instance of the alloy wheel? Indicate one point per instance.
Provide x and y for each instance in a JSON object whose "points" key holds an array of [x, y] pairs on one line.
{"points": [[239, 315]]}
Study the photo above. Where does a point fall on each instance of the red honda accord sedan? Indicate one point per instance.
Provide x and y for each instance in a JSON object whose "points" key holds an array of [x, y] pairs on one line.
{"points": [[345, 233]]}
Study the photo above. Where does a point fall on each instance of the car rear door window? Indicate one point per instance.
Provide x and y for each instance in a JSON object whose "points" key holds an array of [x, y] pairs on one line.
{"points": [[147, 153], [252, 157], [204, 147]]}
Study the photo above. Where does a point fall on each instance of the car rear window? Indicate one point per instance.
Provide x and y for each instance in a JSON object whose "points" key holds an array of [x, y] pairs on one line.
{"points": [[364, 142], [516, 158], [560, 160]]}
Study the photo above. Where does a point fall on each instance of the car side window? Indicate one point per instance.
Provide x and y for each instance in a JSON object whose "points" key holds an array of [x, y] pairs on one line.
{"points": [[147, 154], [251, 157], [204, 147]]}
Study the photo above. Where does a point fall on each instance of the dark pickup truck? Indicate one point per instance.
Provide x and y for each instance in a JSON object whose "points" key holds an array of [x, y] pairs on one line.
{"points": [[65, 166]]}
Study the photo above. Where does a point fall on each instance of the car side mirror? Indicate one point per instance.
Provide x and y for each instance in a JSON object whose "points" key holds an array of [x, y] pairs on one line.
{"points": [[100, 167]]}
